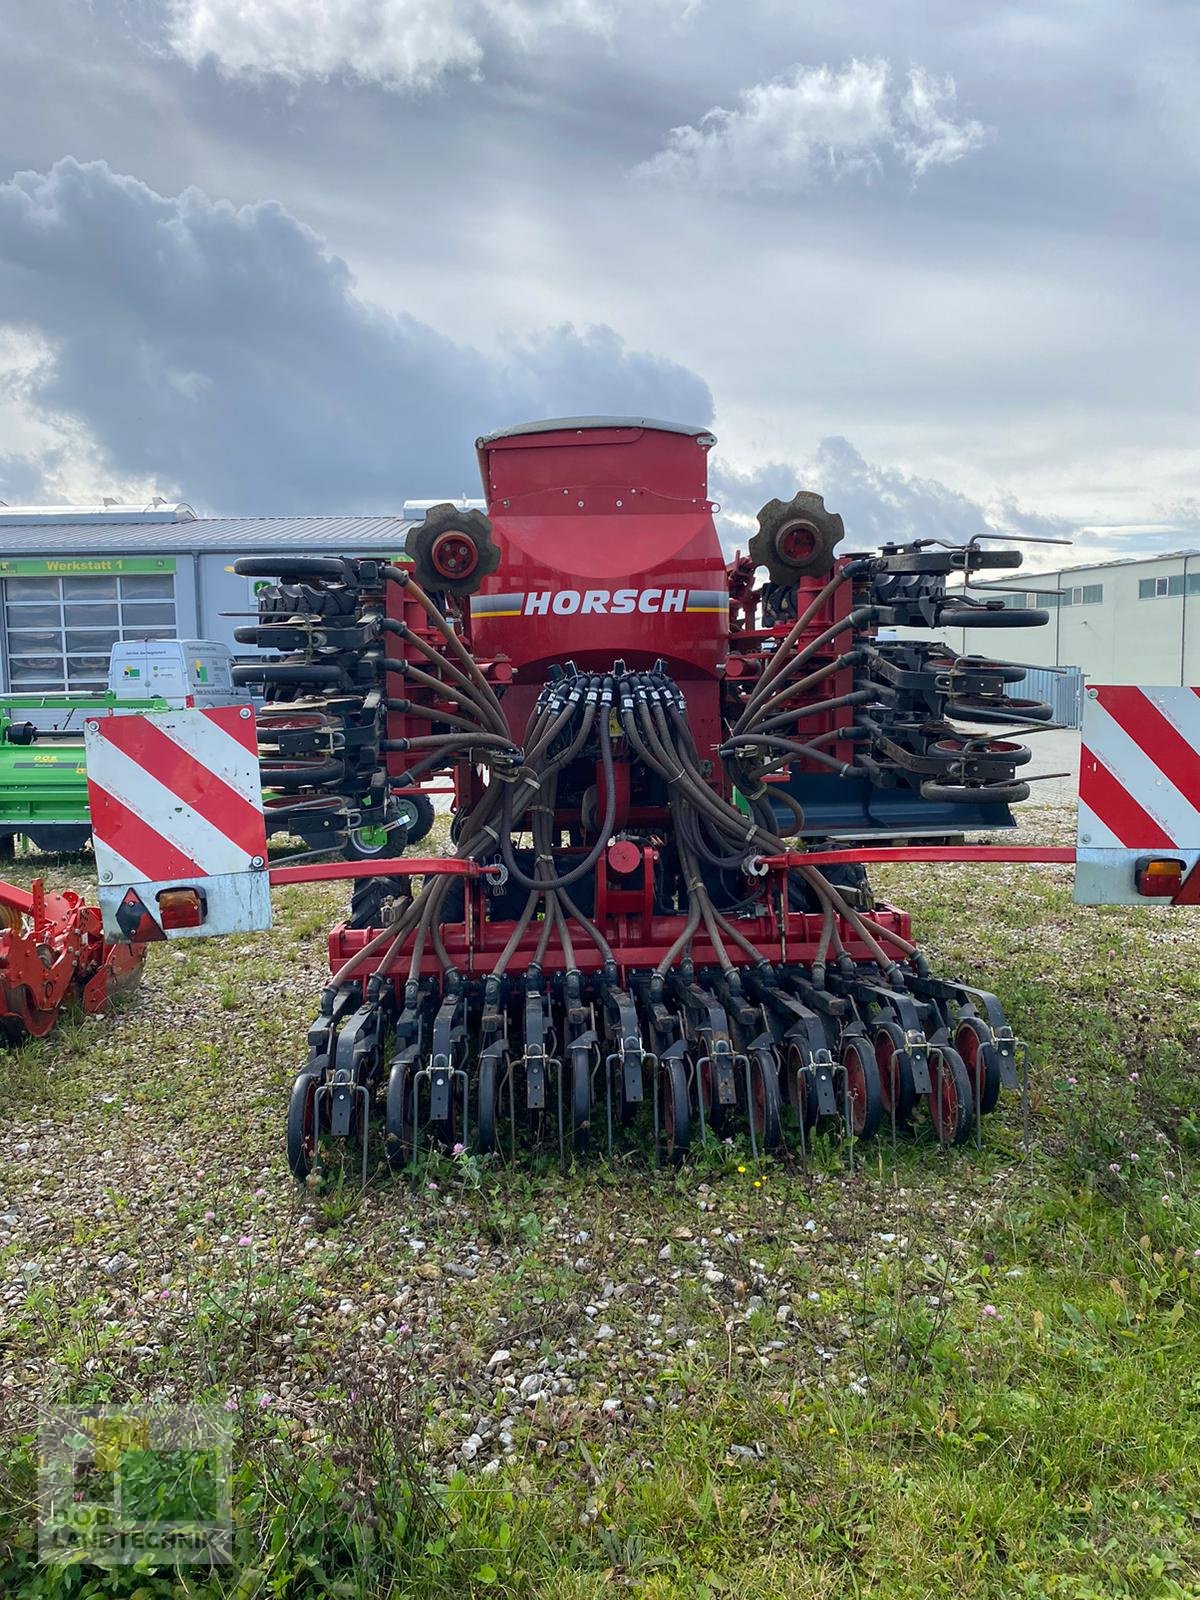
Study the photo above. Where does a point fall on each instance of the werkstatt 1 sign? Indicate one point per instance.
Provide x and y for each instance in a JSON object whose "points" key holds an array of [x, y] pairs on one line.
{"points": [[83, 566]]}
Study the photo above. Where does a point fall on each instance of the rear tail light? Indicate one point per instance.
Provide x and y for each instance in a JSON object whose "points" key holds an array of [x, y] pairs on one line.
{"points": [[181, 908], [1159, 877]]}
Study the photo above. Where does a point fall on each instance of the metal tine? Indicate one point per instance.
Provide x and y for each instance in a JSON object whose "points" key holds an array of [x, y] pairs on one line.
{"points": [[1024, 1059], [556, 1062], [698, 1091], [849, 1114], [745, 1060]]}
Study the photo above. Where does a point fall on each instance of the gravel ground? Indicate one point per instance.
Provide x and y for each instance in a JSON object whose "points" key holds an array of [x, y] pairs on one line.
{"points": [[153, 1244]]}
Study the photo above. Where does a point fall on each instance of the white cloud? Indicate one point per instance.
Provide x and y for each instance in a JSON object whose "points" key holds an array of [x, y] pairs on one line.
{"points": [[878, 503], [814, 123], [929, 136], [226, 352], [50, 457], [398, 44]]}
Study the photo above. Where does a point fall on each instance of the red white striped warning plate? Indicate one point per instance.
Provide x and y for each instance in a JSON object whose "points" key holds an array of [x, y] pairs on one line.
{"points": [[175, 795], [1139, 769]]}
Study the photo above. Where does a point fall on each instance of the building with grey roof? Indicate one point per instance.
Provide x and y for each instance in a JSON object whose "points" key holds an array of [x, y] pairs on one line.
{"points": [[1131, 620], [75, 580]]}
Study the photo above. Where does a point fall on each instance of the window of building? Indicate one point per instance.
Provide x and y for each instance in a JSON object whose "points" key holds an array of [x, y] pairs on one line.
{"points": [[1083, 594], [1047, 599], [60, 630], [1155, 588]]}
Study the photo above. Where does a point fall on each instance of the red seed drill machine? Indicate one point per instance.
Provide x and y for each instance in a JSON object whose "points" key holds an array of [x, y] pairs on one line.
{"points": [[649, 909]]}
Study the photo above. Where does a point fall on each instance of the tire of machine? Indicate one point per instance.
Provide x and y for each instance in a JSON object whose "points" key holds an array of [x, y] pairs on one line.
{"points": [[951, 1107], [289, 776], [987, 794], [423, 815], [969, 617], [301, 1126], [801, 1097], [1003, 709], [59, 839], [973, 1043], [394, 843], [367, 900], [1003, 752], [292, 567], [895, 1073], [581, 1099], [866, 1096], [765, 1109], [675, 1111], [398, 1117], [303, 672], [487, 1112]]}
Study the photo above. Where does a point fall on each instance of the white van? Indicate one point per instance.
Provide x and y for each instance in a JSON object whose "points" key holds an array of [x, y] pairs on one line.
{"points": [[181, 671]]}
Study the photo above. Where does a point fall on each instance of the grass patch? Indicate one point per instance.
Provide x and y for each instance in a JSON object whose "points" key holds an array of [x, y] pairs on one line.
{"points": [[949, 1374]]}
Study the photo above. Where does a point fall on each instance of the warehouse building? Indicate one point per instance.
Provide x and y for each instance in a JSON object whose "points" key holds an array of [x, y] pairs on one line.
{"points": [[1130, 621], [73, 581]]}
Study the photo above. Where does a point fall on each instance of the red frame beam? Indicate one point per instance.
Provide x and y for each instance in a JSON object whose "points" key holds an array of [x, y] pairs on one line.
{"points": [[455, 867], [389, 867], [1055, 855]]}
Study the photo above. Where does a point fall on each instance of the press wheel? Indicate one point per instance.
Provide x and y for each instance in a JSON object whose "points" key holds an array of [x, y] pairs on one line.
{"points": [[895, 1073], [973, 1041], [675, 1126], [950, 1103], [401, 1144], [765, 1109], [862, 1082], [302, 1126]]}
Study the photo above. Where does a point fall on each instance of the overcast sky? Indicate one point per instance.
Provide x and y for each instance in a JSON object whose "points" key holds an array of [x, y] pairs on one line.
{"points": [[935, 258]]}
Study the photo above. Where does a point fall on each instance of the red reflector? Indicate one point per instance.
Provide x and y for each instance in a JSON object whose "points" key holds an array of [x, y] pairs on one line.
{"points": [[1158, 877], [181, 908]]}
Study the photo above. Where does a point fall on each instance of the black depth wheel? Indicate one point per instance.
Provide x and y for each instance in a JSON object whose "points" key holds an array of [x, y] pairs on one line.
{"points": [[950, 1104], [973, 1041], [399, 1116], [302, 1126], [862, 1078], [764, 1100], [895, 1073], [800, 1091], [417, 811], [487, 1115], [581, 1098], [676, 1126]]}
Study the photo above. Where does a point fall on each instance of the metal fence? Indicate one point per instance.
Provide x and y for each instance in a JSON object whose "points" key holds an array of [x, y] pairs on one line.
{"points": [[1061, 687]]}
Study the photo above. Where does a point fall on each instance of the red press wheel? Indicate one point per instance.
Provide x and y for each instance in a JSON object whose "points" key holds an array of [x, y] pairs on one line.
{"points": [[895, 1074], [862, 1081], [973, 1041], [951, 1106]]}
